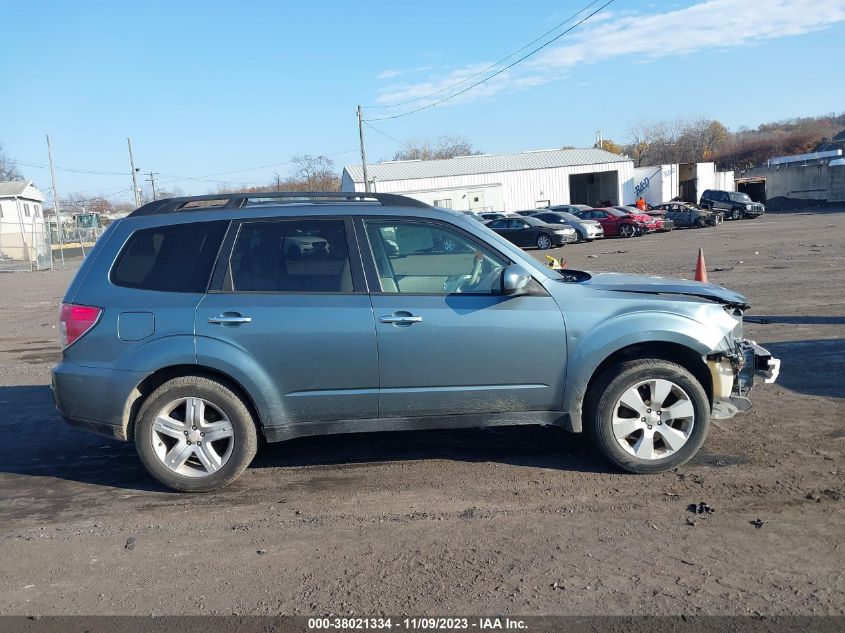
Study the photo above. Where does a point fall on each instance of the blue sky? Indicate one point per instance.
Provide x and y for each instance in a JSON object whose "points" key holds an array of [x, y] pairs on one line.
{"points": [[209, 91]]}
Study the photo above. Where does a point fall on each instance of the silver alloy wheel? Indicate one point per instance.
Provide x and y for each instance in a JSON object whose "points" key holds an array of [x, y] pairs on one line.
{"points": [[192, 437], [544, 242], [625, 230], [653, 419]]}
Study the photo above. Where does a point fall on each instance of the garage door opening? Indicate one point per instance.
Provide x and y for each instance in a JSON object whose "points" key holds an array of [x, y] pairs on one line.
{"points": [[597, 189], [688, 182], [754, 187]]}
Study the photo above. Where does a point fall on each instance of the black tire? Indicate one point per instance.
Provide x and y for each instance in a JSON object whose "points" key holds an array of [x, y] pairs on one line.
{"points": [[737, 214], [578, 237], [544, 241], [626, 231], [699, 223], [609, 387], [245, 437]]}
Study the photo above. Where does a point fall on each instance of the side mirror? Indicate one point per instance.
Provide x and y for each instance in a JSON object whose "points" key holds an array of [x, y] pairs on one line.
{"points": [[515, 280]]}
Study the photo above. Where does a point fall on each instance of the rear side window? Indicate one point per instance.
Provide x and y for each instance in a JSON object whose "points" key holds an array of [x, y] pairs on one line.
{"points": [[175, 258], [291, 256]]}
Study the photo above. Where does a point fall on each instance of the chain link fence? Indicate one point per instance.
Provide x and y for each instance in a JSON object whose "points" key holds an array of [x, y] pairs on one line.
{"points": [[25, 244], [28, 244]]}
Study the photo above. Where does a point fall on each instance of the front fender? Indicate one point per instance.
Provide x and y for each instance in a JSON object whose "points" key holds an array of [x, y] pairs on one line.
{"points": [[612, 335]]}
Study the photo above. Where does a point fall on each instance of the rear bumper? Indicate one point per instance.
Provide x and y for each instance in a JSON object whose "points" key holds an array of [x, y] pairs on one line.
{"points": [[734, 376], [94, 398]]}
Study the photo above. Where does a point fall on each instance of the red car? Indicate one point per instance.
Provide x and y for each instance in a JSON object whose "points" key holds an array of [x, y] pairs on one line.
{"points": [[613, 221], [651, 223]]}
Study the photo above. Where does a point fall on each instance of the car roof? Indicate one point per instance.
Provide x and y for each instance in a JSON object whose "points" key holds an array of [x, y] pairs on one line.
{"points": [[277, 200]]}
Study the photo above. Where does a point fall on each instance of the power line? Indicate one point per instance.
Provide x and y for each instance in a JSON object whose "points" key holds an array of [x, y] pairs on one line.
{"points": [[498, 72], [240, 171], [75, 171], [385, 134], [484, 70]]}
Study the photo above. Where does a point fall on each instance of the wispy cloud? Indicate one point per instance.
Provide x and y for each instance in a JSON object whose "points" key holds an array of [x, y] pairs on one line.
{"points": [[390, 74], [713, 24]]}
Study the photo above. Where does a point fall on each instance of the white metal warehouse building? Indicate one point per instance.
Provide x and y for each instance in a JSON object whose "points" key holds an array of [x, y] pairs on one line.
{"points": [[504, 182]]}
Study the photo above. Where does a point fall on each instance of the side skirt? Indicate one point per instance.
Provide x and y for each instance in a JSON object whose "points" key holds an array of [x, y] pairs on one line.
{"points": [[376, 425]]}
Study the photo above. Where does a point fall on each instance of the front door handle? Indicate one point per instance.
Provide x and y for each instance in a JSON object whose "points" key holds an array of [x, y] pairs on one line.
{"points": [[229, 319], [399, 319]]}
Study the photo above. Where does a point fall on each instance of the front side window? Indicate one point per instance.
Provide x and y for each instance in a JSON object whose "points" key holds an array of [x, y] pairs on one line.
{"points": [[422, 258], [175, 258], [290, 256]]}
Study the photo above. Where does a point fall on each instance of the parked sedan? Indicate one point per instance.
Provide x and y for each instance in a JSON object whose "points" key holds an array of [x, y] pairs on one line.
{"points": [[494, 215], [614, 222], [687, 215], [530, 231], [586, 230]]}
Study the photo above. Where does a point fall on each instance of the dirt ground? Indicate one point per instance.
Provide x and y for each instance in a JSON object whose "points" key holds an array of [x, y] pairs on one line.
{"points": [[507, 521]]}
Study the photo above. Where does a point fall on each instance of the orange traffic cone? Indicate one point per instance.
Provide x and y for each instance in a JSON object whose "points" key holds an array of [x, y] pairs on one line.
{"points": [[700, 267]]}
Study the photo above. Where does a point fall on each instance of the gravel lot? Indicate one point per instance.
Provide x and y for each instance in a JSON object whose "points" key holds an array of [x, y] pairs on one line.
{"points": [[506, 521]]}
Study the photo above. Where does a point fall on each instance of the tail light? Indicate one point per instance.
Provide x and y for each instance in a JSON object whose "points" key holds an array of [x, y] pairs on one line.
{"points": [[75, 321]]}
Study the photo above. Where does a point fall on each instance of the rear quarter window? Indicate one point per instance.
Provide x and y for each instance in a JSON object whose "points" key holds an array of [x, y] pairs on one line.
{"points": [[174, 258]]}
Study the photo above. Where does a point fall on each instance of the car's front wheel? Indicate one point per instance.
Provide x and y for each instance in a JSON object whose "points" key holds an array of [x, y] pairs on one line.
{"points": [[626, 230], [647, 415], [736, 214], [544, 242], [194, 434]]}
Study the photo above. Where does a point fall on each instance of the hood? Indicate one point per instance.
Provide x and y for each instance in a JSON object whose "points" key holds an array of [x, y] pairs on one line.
{"points": [[618, 282]]}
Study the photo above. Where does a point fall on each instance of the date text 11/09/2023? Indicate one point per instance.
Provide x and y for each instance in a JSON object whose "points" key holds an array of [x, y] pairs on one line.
{"points": [[416, 624]]}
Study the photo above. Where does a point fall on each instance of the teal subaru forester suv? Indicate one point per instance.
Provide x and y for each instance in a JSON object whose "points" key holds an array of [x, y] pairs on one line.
{"points": [[198, 324]]}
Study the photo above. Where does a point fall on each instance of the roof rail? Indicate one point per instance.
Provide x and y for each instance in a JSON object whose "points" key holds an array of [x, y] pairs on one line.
{"points": [[240, 200]]}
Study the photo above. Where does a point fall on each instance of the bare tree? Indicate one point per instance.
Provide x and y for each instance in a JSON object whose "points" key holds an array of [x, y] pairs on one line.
{"points": [[8, 169], [446, 146], [313, 173], [649, 142]]}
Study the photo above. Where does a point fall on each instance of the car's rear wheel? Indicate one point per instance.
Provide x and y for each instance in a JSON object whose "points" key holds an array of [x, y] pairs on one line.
{"points": [[544, 242], [194, 434], [647, 415], [626, 231]]}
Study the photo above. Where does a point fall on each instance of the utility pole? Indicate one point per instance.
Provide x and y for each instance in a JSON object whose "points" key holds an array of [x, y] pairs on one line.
{"points": [[59, 229], [363, 152], [134, 179], [152, 180]]}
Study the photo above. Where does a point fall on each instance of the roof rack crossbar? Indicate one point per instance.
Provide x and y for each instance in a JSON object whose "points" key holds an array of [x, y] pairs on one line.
{"points": [[240, 200]]}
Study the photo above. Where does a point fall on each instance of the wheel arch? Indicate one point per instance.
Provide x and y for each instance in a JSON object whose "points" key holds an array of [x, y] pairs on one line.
{"points": [[157, 378], [677, 352]]}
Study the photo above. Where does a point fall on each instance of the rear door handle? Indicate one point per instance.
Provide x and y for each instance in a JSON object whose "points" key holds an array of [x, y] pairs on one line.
{"points": [[226, 319], [399, 319]]}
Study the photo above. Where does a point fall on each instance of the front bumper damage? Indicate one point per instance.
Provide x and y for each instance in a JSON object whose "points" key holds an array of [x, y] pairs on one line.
{"points": [[734, 374]]}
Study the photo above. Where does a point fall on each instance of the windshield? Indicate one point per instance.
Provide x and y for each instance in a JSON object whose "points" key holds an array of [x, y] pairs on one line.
{"points": [[738, 196]]}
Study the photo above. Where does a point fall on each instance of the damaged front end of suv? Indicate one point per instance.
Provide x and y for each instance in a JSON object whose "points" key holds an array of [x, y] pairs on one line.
{"points": [[735, 367]]}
